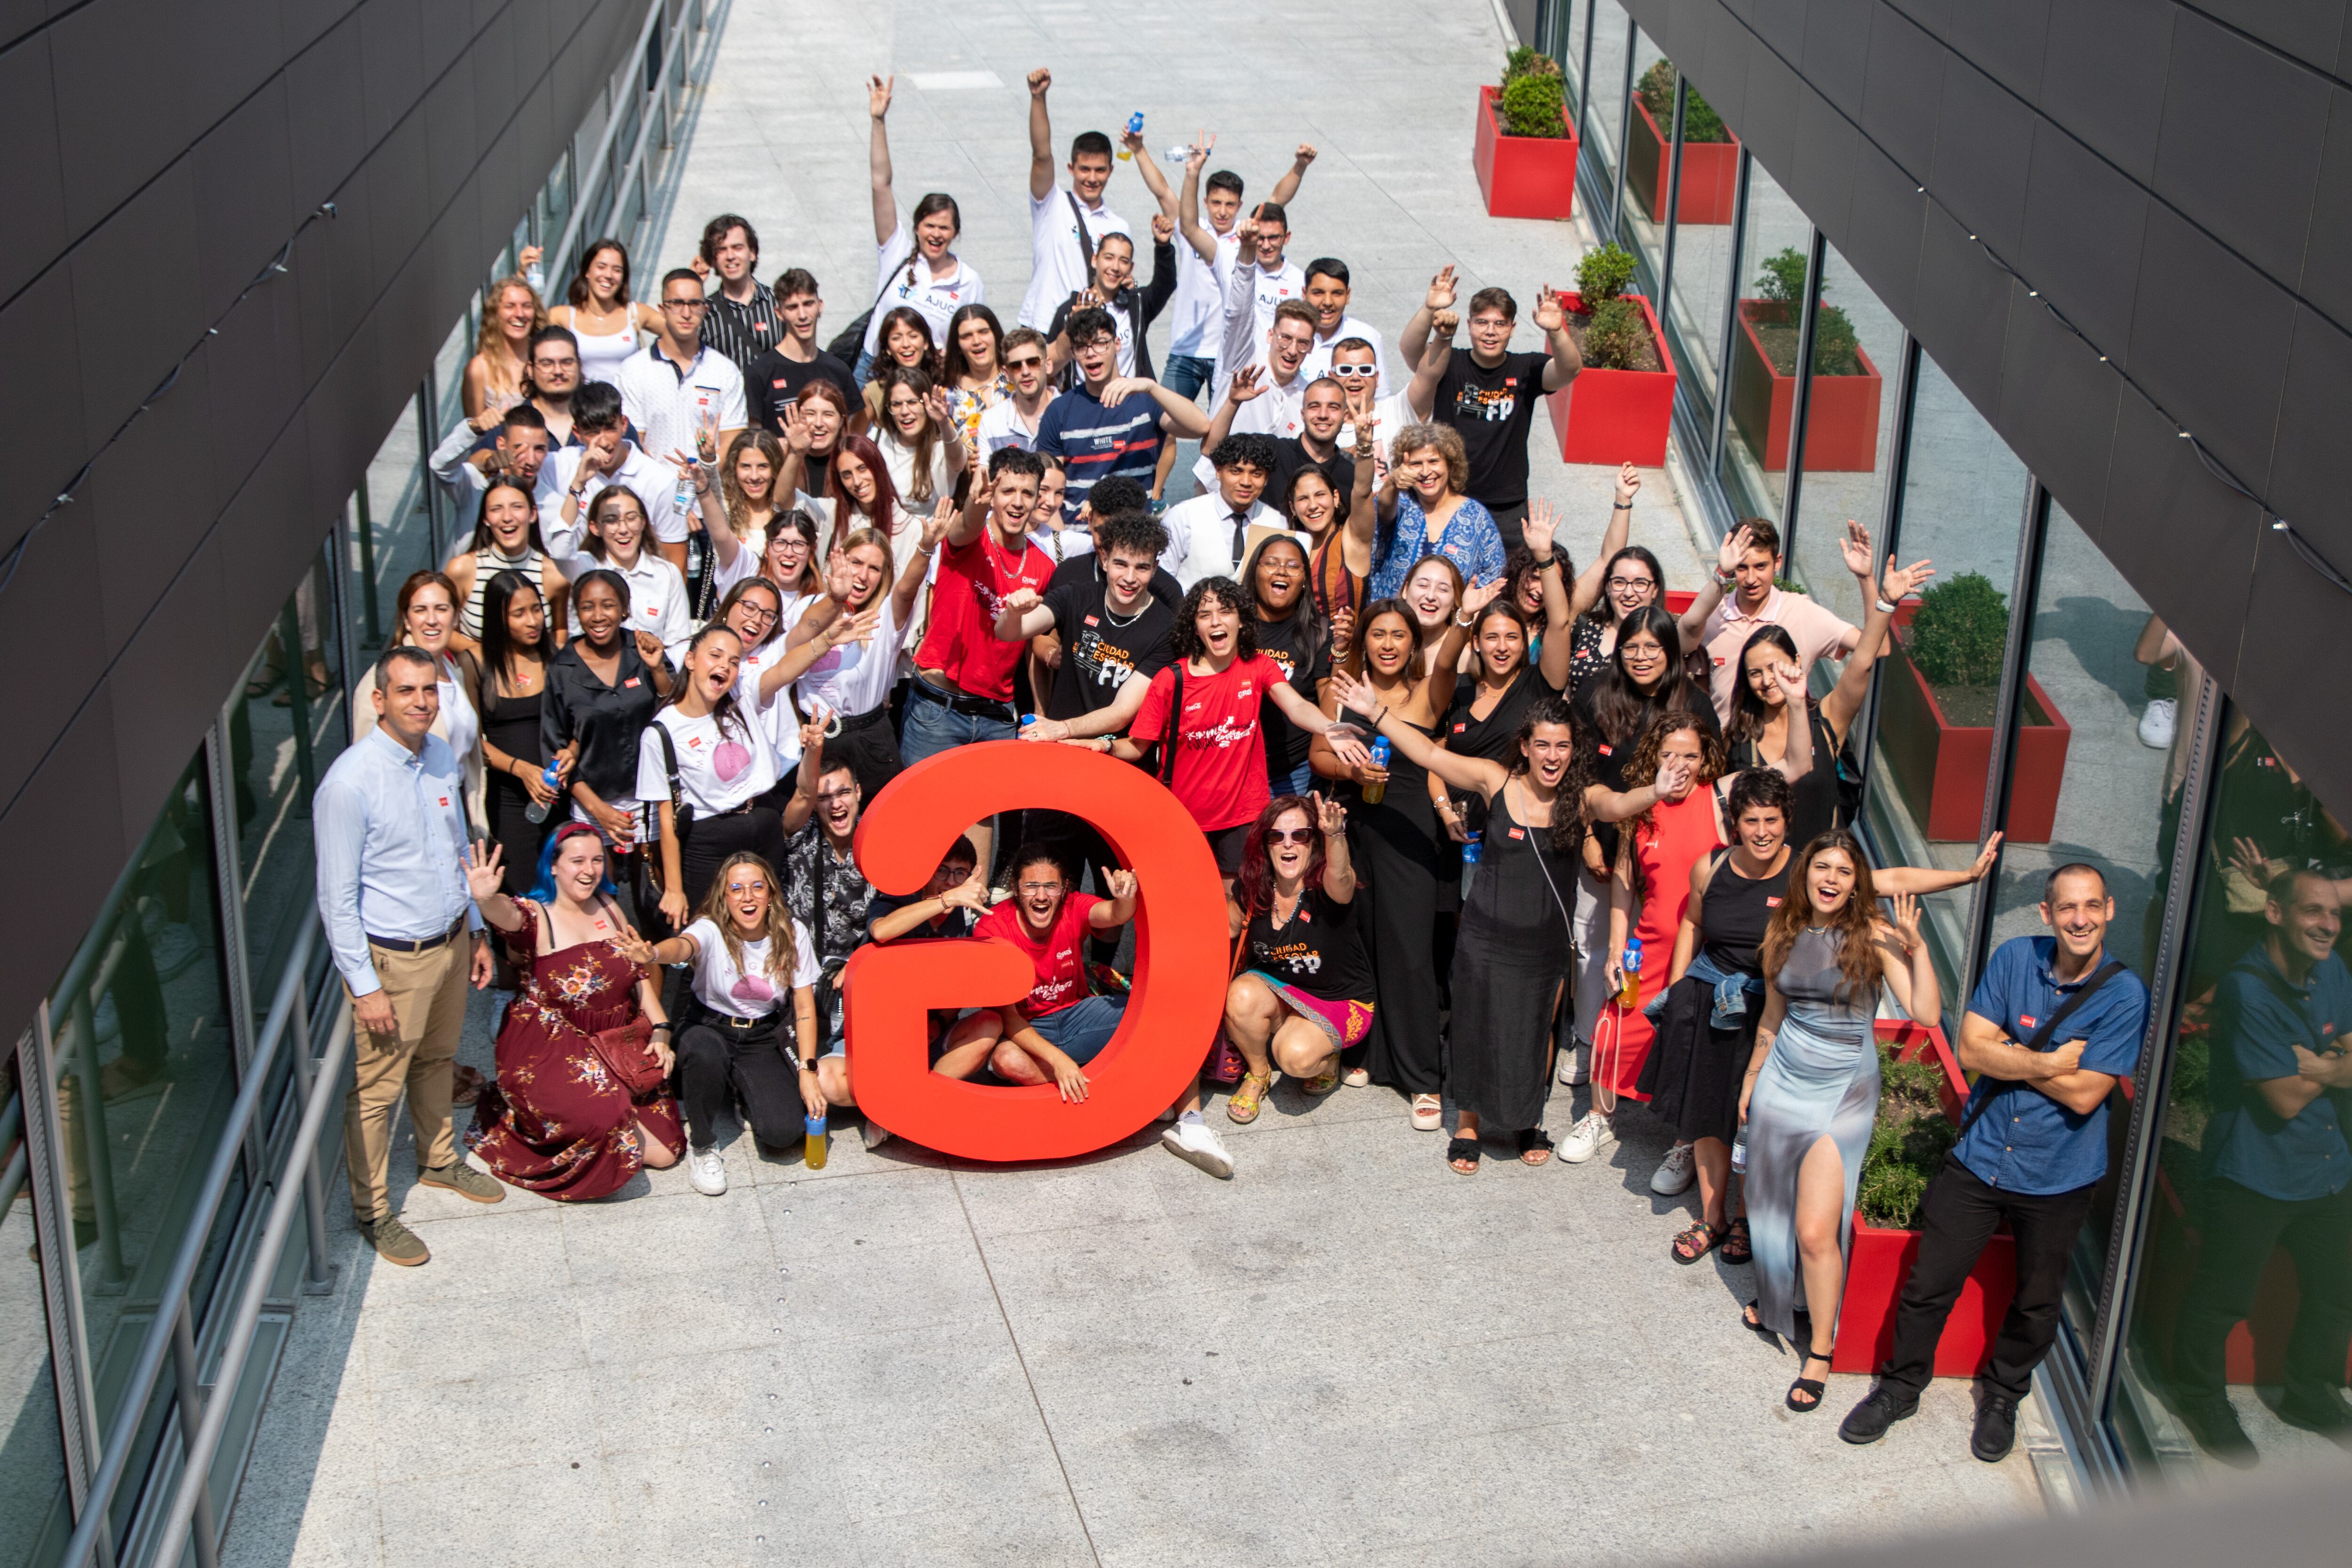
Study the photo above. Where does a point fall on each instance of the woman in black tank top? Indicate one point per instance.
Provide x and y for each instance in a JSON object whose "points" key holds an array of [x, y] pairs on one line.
{"points": [[514, 687], [1694, 1069], [1491, 703]]}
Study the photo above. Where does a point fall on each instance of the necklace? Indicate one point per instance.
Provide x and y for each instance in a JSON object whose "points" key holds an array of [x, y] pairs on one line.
{"points": [[1112, 615]]}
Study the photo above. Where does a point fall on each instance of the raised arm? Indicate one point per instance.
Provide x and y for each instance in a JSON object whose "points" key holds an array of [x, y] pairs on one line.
{"points": [[1693, 624], [910, 585], [1178, 416], [1024, 615], [1241, 300], [1462, 773], [1041, 136], [1542, 523], [877, 157], [1188, 201], [1602, 804], [1364, 514], [1413, 342], [802, 805], [1844, 699], [1430, 369], [1248, 382], [1924, 879], [1287, 186], [1551, 319], [1587, 590], [1910, 969], [1119, 908], [1304, 715], [1148, 167], [1338, 871]]}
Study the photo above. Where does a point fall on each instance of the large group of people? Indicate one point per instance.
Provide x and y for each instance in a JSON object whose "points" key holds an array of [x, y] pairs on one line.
{"points": [[1484, 821]]}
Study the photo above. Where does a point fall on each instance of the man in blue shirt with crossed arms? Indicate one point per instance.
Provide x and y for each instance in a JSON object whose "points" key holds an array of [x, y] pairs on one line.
{"points": [[2033, 1149]]}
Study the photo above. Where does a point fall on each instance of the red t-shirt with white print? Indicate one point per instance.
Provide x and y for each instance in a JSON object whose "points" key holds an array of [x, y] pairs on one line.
{"points": [[1220, 774], [1060, 960]]}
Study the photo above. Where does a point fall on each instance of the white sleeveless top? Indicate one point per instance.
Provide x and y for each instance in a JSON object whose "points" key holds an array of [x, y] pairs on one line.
{"points": [[601, 356]]}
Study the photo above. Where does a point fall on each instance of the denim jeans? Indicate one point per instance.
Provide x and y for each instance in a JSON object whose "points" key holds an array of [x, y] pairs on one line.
{"points": [[1081, 1030], [932, 728], [1186, 375]]}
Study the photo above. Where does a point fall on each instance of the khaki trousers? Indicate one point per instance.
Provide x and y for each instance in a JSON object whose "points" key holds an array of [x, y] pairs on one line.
{"points": [[428, 1002]]}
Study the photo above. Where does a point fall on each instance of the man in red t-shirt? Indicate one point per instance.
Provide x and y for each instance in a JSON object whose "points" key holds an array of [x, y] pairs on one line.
{"points": [[963, 689], [1062, 1024]]}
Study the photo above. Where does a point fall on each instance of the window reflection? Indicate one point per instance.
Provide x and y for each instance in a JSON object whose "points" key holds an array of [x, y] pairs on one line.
{"points": [[2238, 1341], [1641, 223], [1612, 36], [1851, 421], [1775, 228]]}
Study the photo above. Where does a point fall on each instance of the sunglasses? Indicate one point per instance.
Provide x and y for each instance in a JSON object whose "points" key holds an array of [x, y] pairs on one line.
{"points": [[1351, 371], [1299, 835], [1030, 362]]}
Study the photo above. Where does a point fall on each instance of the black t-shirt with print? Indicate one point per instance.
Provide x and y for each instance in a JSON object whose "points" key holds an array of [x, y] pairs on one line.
{"points": [[1319, 951], [1305, 668], [1290, 456], [772, 381], [1102, 651], [1491, 411]]}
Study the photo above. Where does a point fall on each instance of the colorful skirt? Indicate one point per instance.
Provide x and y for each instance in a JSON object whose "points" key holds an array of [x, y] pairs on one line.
{"points": [[1345, 1023]]}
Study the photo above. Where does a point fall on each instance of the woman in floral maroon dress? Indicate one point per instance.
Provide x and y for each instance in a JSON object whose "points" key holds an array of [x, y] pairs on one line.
{"points": [[556, 1120]]}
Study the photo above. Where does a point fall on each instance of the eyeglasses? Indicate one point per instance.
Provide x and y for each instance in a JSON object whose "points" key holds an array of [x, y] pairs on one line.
{"points": [[1028, 889], [751, 611], [827, 796], [1351, 371], [1622, 584], [685, 304], [1301, 835]]}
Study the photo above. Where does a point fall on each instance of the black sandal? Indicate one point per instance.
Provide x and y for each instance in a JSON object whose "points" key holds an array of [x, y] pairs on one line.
{"points": [[1535, 1141], [1816, 1387], [1736, 1246], [1696, 1242], [1756, 1325], [1461, 1152]]}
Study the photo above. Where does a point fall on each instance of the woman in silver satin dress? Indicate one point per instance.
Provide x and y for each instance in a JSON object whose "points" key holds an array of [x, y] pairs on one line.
{"points": [[1812, 1093]]}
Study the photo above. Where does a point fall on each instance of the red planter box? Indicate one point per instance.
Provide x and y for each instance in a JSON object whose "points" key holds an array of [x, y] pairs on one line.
{"points": [[1842, 436], [1881, 1259], [1523, 177], [1943, 768], [1710, 171], [1616, 416]]}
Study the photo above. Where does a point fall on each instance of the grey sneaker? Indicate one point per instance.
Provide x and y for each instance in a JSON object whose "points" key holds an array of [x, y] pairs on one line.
{"points": [[465, 1181], [395, 1242]]}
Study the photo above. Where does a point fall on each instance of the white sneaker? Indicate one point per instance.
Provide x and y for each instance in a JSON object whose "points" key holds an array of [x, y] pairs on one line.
{"points": [[873, 1136], [1576, 1063], [2156, 725], [1587, 1137], [1674, 1174], [706, 1169], [1193, 1142]]}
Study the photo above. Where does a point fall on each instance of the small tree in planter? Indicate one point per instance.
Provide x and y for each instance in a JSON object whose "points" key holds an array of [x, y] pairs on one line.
{"points": [[1843, 433], [1939, 708], [1620, 406], [1525, 148], [1907, 1143], [1710, 152]]}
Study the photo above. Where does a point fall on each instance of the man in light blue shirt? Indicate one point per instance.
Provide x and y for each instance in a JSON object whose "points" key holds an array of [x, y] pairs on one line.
{"points": [[389, 821]]}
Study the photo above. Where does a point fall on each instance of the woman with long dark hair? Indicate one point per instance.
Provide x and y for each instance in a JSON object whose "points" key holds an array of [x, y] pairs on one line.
{"points": [[1304, 992], [907, 342], [973, 374], [598, 312], [705, 763], [925, 448], [1292, 633], [506, 539], [859, 492], [1812, 1092], [917, 268], [515, 651], [1505, 679], [746, 508], [600, 693], [557, 1119]]}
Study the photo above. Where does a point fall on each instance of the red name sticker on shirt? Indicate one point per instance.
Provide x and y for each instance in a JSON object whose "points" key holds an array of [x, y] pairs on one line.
{"points": [[1306, 915], [694, 742], [1519, 832], [1091, 621], [600, 925], [1459, 727], [2326, 1029], [1605, 751], [445, 801], [653, 609], [631, 681], [1772, 902], [2028, 1019], [1510, 381], [1718, 662]]}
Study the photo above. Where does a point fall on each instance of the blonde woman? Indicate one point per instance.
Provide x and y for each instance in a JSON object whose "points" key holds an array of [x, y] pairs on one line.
{"points": [[494, 376]]}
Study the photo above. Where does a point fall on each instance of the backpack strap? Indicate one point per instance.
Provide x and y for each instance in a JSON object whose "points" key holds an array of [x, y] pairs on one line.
{"points": [[1086, 240], [1175, 717], [2042, 1037]]}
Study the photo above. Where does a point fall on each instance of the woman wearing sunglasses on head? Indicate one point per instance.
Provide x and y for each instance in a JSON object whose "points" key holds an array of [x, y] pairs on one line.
{"points": [[1305, 991]]}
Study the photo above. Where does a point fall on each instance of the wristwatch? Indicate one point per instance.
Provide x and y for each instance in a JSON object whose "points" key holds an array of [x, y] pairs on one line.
{"points": [[809, 1066]]}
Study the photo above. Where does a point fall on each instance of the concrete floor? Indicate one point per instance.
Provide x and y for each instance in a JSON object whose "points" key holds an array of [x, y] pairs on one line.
{"points": [[1345, 1354]]}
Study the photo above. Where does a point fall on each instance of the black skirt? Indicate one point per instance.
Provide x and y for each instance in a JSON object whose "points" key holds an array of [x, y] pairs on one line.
{"points": [[1693, 1070]]}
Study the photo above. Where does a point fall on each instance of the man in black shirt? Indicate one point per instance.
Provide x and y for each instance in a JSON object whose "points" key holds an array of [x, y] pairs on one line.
{"points": [[1487, 393], [773, 381], [1116, 496]]}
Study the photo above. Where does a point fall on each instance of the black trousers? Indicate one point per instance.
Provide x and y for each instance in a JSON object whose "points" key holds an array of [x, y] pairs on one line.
{"points": [[717, 1059], [710, 840], [1959, 1214], [2239, 1227]]}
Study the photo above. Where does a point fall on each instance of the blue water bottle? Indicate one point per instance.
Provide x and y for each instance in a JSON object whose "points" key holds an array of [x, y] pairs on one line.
{"points": [[535, 812], [1027, 719], [1629, 993], [1375, 793], [1134, 128], [812, 1152], [1470, 853]]}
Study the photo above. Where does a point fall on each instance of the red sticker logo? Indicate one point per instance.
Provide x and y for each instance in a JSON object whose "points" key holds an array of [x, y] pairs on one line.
{"points": [[1605, 750], [1519, 832], [445, 800], [631, 681], [2028, 1019], [1772, 902], [1091, 621], [1459, 727]]}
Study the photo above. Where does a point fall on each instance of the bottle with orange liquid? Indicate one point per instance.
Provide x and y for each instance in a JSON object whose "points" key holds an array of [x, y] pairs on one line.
{"points": [[1629, 993]]}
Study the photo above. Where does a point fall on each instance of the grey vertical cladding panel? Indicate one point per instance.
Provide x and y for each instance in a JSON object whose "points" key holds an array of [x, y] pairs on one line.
{"points": [[2209, 343], [133, 318], [451, 145], [1822, 181], [1959, 313], [1680, 28], [1837, 49], [168, 682], [43, 415], [152, 500], [535, 39], [498, 185], [396, 194], [2241, 146], [445, 28], [265, 539], [2183, 540], [2084, 225], [1722, 72], [352, 259], [2286, 678], [105, 153], [1934, 16], [254, 378], [2005, 39], [54, 604], [1887, 217], [2314, 476], [2326, 276], [393, 75], [67, 840], [244, 203], [1903, 88], [302, 23], [494, 76], [2310, 30], [326, 117], [1770, 124], [2104, 76], [2058, 408], [457, 249], [1782, 25], [1983, 138], [232, 47], [36, 229]]}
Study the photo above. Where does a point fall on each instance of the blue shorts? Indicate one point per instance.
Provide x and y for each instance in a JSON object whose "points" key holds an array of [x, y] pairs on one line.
{"points": [[1186, 375], [1081, 1030]]}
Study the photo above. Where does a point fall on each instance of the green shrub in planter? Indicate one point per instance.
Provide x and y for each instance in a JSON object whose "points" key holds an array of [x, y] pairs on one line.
{"points": [[1601, 275], [1532, 104], [1617, 338], [1836, 349], [1960, 631], [1700, 121], [1526, 61], [1907, 1143]]}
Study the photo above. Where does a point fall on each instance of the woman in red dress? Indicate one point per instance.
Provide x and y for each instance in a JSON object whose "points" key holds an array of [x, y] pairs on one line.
{"points": [[557, 1120]]}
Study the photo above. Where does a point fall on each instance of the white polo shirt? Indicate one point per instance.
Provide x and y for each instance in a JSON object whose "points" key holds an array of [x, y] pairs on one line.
{"points": [[936, 300], [658, 602], [667, 401], [1197, 309], [1201, 536], [1056, 267], [655, 483]]}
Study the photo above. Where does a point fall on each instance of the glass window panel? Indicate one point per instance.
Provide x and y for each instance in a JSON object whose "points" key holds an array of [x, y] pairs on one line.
{"points": [[285, 727], [1641, 223], [391, 533], [1613, 33], [1931, 758], [1574, 32], [1849, 427], [1775, 230], [2246, 1245], [32, 1513], [140, 1032], [2094, 766]]}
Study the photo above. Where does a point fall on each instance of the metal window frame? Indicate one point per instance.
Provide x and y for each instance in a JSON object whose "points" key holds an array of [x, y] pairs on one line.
{"points": [[1624, 134], [1738, 248], [2025, 588], [1801, 406], [1890, 533], [1673, 201]]}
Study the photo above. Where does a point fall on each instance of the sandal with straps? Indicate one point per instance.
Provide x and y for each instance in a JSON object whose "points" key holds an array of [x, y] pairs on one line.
{"points": [[1461, 1152], [1535, 1147], [1813, 1387], [1736, 1246], [1244, 1106], [1698, 1241]]}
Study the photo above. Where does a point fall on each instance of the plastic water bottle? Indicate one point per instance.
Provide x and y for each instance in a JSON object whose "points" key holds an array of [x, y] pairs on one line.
{"points": [[1739, 1153], [1134, 128], [1630, 993], [1470, 853], [814, 1150], [684, 499], [535, 812], [1375, 793], [536, 276], [1178, 155], [1027, 719]]}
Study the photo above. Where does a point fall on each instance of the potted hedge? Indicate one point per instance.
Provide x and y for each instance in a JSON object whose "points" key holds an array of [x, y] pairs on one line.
{"points": [[1525, 145], [1710, 152], [1920, 1096], [1620, 406], [1842, 429], [1936, 716]]}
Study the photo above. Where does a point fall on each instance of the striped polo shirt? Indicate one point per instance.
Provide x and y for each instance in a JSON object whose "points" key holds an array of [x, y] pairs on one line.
{"points": [[1094, 441]]}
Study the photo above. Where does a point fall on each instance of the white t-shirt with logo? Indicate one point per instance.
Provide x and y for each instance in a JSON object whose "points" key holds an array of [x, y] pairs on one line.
{"points": [[936, 300], [1197, 309], [716, 772], [1058, 269], [852, 680], [776, 716], [723, 988]]}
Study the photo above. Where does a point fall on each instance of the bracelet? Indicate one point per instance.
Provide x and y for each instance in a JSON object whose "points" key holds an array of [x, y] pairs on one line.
{"points": [[662, 1029], [1885, 608], [1622, 506], [1544, 561]]}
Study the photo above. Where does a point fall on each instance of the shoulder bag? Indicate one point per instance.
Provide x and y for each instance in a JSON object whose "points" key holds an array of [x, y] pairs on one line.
{"points": [[2042, 1037]]}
